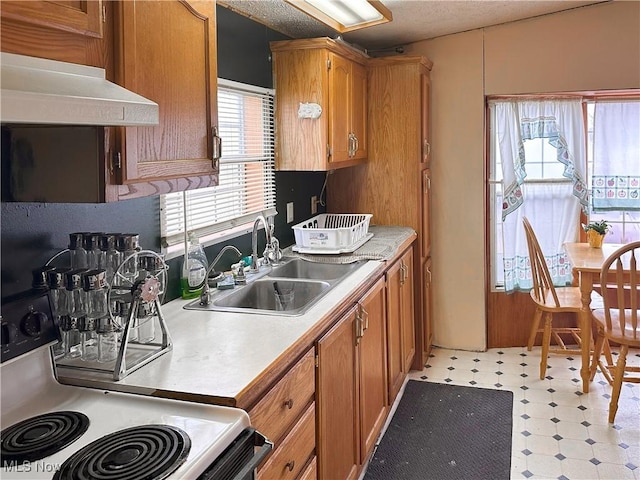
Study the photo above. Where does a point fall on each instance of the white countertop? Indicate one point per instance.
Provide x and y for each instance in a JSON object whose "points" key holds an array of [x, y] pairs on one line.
{"points": [[216, 356]]}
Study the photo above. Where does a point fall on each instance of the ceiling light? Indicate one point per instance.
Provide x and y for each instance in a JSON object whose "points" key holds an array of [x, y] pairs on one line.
{"points": [[345, 15]]}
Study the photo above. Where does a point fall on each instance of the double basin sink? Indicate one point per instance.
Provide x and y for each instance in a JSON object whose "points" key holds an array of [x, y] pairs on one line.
{"points": [[289, 288]]}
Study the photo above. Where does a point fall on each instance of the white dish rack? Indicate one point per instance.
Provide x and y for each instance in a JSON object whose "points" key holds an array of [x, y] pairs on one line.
{"points": [[331, 233]]}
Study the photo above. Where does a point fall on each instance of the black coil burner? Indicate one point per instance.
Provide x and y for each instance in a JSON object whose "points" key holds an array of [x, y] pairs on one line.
{"points": [[41, 436], [146, 452]]}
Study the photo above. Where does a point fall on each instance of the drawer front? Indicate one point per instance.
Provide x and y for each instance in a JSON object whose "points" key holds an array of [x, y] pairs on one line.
{"points": [[311, 472], [284, 403], [289, 459]]}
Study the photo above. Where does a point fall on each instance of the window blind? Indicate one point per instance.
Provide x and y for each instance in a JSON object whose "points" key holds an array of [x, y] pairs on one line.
{"points": [[246, 184]]}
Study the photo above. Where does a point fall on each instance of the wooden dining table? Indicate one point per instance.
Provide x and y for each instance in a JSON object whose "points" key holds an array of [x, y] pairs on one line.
{"points": [[586, 263]]}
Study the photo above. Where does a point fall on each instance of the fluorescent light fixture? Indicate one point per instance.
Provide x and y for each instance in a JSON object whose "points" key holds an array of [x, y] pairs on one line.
{"points": [[345, 15]]}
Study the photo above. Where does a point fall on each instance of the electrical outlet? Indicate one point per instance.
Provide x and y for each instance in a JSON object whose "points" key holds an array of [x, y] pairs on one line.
{"points": [[314, 205], [290, 212]]}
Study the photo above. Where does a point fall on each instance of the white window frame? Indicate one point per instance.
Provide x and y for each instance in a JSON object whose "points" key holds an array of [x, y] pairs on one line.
{"points": [[239, 151]]}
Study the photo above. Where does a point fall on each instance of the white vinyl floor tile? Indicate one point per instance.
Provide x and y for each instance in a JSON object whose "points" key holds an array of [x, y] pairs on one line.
{"points": [[558, 432]]}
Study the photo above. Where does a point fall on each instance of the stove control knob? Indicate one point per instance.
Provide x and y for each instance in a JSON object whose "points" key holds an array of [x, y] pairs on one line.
{"points": [[32, 323], [8, 333]]}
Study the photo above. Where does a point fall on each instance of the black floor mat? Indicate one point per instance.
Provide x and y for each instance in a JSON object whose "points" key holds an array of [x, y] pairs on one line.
{"points": [[443, 432]]}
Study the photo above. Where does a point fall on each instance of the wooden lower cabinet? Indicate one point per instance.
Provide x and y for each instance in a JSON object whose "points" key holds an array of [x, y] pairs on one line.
{"points": [[394, 330], [427, 309], [288, 461], [401, 340], [352, 394], [286, 416], [311, 471]]}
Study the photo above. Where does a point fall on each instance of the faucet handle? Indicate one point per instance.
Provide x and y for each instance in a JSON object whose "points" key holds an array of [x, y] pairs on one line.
{"points": [[272, 253]]}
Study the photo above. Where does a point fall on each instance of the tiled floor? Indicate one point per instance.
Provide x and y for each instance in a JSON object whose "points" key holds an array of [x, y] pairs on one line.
{"points": [[558, 432]]}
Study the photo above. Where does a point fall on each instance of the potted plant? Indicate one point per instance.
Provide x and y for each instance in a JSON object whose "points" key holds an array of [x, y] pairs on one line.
{"points": [[596, 232]]}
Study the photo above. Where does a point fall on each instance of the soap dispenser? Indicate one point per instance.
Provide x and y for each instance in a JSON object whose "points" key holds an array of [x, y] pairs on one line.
{"points": [[194, 268]]}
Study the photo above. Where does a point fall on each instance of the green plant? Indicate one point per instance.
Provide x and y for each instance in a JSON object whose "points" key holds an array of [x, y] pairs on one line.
{"points": [[602, 227]]}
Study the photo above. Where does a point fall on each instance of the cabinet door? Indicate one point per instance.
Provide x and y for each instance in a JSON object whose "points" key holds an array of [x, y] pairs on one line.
{"points": [[340, 77], [81, 17], [166, 51], [425, 83], [395, 356], [427, 309], [408, 311], [337, 400], [289, 459], [373, 368], [301, 76], [359, 110], [426, 213]]}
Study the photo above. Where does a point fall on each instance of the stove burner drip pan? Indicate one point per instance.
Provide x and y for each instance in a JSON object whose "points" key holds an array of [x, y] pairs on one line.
{"points": [[38, 437], [149, 452]]}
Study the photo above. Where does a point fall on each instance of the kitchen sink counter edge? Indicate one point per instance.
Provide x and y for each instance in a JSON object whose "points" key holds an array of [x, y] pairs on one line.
{"points": [[229, 358]]}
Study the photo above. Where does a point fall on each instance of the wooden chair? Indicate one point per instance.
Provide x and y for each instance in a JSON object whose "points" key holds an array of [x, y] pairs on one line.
{"points": [[549, 300], [618, 322]]}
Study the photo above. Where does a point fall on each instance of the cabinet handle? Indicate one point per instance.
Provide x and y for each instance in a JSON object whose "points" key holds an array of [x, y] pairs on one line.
{"points": [[290, 465], [356, 145], [426, 149], [216, 147], [358, 326], [403, 272], [428, 272], [351, 143], [289, 404], [365, 316], [426, 182], [115, 163]]}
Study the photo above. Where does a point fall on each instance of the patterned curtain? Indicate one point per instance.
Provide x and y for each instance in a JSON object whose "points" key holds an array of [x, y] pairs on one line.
{"points": [[552, 208], [616, 156]]}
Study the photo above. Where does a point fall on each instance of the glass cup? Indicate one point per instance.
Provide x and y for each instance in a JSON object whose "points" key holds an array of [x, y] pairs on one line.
{"points": [[284, 299]]}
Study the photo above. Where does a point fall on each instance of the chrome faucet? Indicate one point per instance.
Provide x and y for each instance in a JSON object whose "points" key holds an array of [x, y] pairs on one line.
{"points": [[204, 295], [272, 249]]}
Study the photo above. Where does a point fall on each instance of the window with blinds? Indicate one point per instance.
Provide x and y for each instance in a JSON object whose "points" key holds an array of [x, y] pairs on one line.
{"points": [[246, 184]]}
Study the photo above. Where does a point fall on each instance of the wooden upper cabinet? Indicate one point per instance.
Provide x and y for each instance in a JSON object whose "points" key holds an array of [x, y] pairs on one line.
{"points": [[81, 17], [162, 50], [320, 73], [347, 126], [67, 31], [166, 52]]}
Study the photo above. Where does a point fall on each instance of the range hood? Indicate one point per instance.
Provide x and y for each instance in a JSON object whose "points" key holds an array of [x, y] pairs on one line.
{"points": [[41, 91]]}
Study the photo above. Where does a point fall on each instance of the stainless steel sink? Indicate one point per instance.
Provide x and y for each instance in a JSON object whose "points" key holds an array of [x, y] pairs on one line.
{"points": [[261, 295], [307, 281], [299, 268]]}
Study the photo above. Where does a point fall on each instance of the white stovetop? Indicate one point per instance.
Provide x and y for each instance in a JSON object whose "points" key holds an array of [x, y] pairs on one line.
{"points": [[27, 392], [219, 355]]}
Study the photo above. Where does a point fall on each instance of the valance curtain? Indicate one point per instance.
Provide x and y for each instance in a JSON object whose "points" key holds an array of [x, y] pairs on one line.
{"points": [[616, 156], [552, 205]]}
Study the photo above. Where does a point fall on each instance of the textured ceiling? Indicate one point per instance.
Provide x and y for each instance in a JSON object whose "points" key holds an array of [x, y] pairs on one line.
{"points": [[413, 20]]}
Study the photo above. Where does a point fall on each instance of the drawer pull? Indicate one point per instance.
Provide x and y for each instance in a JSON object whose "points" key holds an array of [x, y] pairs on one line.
{"points": [[290, 465], [289, 404]]}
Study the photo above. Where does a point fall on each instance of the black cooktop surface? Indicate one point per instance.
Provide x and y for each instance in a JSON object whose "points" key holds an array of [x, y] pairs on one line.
{"points": [[146, 452], [41, 436]]}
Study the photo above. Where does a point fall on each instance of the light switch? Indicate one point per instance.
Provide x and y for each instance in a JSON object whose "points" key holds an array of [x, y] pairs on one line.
{"points": [[290, 212]]}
